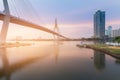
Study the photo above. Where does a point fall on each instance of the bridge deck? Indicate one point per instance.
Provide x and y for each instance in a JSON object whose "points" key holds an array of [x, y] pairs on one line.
{"points": [[22, 22]]}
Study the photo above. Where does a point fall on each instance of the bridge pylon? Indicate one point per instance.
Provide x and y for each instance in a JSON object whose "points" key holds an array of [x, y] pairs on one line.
{"points": [[56, 29], [6, 21]]}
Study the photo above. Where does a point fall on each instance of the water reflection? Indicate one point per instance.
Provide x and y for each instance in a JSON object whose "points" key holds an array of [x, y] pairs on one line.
{"points": [[72, 63], [56, 51], [117, 61], [99, 60], [7, 69]]}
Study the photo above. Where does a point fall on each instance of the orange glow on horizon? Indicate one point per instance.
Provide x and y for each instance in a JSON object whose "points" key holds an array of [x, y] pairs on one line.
{"points": [[65, 29]]}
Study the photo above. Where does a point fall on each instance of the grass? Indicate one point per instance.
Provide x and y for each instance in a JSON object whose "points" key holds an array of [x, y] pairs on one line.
{"points": [[115, 51], [100, 46], [110, 50], [103, 47]]}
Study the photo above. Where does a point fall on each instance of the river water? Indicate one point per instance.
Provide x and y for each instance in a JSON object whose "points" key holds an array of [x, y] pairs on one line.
{"points": [[48, 61]]}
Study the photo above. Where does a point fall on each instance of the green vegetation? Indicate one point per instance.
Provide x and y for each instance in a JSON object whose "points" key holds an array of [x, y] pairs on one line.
{"points": [[106, 48], [91, 39], [117, 39], [110, 50], [115, 51]]}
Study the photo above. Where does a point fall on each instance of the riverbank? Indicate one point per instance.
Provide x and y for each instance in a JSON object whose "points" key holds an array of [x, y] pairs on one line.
{"points": [[16, 44], [110, 50]]}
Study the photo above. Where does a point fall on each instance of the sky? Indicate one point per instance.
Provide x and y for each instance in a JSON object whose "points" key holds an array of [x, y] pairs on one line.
{"points": [[75, 17]]}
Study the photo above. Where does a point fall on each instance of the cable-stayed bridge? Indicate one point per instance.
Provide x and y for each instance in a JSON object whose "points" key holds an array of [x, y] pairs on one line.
{"points": [[7, 18]]}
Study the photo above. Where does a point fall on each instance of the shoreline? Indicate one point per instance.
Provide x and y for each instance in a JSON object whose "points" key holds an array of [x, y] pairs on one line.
{"points": [[17, 44], [104, 50]]}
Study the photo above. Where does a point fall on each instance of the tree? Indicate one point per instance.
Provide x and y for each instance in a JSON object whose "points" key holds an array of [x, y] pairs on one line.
{"points": [[117, 39]]}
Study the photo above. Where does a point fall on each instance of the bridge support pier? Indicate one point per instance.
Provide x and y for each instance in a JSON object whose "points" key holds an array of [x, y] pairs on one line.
{"points": [[6, 21]]}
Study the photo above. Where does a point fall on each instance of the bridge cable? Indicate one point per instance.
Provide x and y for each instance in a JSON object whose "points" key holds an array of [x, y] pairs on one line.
{"points": [[20, 13], [14, 8]]}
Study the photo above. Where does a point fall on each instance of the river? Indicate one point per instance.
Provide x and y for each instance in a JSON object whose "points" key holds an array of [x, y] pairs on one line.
{"points": [[48, 61]]}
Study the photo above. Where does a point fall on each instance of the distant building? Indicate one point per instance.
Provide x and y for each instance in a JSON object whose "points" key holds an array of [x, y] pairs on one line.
{"points": [[115, 33], [99, 24], [108, 32]]}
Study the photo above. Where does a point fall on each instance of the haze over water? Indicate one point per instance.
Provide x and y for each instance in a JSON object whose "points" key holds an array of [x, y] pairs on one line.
{"points": [[48, 61]]}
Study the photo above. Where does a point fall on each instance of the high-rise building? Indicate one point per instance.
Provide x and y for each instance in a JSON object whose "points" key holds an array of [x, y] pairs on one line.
{"points": [[106, 32], [109, 31], [99, 24], [115, 33]]}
